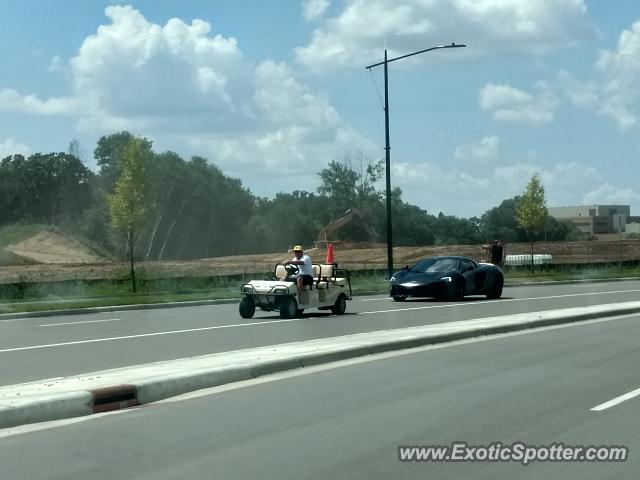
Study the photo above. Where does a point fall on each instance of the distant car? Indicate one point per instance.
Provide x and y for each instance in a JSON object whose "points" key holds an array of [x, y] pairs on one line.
{"points": [[449, 278]]}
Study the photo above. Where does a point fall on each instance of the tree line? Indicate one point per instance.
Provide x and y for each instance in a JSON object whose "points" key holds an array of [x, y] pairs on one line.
{"points": [[190, 209]]}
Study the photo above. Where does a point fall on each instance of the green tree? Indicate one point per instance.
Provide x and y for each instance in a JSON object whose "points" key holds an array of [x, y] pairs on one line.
{"points": [[128, 206], [51, 188], [531, 211], [108, 154], [499, 223], [351, 184]]}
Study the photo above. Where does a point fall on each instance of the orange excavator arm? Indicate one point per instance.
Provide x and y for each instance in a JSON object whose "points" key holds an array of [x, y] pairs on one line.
{"points": [[345, 218], [341, 221]]}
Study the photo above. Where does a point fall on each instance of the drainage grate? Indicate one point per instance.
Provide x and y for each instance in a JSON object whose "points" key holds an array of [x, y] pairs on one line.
{"points": [[114, 398]]}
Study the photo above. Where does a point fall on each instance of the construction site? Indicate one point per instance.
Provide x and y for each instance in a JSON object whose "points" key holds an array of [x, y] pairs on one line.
{"points": [[49, 256]]}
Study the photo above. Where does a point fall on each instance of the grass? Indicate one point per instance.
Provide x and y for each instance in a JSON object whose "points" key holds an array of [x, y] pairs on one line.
{"points": [[31, 297], [567, 273]]}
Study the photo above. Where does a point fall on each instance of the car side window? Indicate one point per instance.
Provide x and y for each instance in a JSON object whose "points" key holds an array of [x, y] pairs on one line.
{"points": [[466, 265]]}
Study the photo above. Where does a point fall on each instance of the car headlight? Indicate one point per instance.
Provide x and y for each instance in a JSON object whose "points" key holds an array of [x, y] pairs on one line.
{"points": [[447, 279]]}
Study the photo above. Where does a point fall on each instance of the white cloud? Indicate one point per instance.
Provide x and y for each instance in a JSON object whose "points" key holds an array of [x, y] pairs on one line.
{"points": [[486, 149], [11, 147], [621, 69], [12, 100], [313, 9], [186, 88], [564, 182], [509, 104], [435, 188], [581, 94], [608, 194], [489, 27]]}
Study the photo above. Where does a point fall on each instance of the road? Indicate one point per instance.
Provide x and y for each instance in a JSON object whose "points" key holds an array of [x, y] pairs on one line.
{"points": [[40, 348], [346, 422]]}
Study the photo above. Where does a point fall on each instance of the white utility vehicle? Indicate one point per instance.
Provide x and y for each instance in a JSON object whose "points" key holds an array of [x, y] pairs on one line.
{"points": [[330, 290]]}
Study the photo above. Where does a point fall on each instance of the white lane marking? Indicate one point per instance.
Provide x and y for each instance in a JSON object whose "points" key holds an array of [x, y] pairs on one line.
{"points": [[76, 323], [504, 300], [142, 335], [615, 401], [12, 431], [270, 322], [375, 299], [587, 285]]}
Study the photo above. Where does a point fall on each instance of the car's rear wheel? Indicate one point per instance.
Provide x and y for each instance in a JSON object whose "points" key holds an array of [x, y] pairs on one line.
{"points": [[247, 307], [288, 308], [399, 298], [340, 306], [496, 291]]}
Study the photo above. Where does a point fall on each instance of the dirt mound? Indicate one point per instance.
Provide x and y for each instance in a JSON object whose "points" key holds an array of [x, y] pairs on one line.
{"points": [[52, 247]]}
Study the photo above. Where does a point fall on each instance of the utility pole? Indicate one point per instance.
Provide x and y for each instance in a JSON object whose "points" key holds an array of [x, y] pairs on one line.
{"points": [[620, 242], [387, 142]]}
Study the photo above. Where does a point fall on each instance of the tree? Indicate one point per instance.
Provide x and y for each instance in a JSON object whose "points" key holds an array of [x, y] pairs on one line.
{"points": [[77, 151], [51, 188], [128, 206], [108, 154], [499, 223], [348, 184], [351, 184], [531, 211]]}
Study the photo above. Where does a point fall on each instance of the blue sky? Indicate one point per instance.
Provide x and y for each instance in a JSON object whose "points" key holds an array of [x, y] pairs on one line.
{"points": [[272, 91]]}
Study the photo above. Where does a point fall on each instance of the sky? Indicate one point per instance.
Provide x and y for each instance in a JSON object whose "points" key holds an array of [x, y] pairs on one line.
{"points": [[272, 91]]}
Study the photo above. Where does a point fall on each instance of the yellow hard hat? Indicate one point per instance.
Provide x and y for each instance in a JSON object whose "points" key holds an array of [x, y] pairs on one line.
{"points": [[297, 248]]}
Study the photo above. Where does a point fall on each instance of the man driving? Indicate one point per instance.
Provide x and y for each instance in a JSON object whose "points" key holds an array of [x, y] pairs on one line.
{"points": [[304, 276]]}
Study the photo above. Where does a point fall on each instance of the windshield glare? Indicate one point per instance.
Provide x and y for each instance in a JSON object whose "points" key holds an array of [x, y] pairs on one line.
{"points": [[432, 265]]}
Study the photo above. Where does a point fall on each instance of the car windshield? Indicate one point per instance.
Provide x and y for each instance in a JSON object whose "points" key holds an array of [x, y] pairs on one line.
{"points": [[433, 265]]}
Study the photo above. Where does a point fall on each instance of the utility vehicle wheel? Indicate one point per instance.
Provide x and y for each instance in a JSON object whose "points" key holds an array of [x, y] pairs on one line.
{"points": [[288, 308], [247, 307], [340, 306], [299, 312]]}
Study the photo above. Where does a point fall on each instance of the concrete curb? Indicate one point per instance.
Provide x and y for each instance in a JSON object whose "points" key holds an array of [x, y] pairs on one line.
{"points": [[64, 398], [116, 308]]}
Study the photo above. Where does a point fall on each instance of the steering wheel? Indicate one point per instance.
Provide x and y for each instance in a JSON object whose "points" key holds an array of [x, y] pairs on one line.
{"points": [[292, 269]]}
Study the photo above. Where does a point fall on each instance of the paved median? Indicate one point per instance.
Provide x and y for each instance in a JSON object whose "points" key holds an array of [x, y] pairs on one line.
{"points": [[107, 390]]}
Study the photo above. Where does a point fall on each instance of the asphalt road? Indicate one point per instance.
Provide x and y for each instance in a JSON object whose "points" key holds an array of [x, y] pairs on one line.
{"points": [[40, 348], [537, 387]]}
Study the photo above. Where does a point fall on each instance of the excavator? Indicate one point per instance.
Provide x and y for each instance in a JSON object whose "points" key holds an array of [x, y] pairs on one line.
{"points": [[341, 221]]}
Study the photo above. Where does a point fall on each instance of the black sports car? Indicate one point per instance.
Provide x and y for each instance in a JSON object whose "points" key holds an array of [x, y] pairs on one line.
{"points": [[447, 278]]}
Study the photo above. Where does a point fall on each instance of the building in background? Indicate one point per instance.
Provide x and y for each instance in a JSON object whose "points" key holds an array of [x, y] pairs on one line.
{"points": [[599, 219]]}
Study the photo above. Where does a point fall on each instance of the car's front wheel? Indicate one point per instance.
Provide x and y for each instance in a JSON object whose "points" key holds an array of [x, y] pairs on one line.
{"points": [[399, 298], [496, 291], [458, 289]]}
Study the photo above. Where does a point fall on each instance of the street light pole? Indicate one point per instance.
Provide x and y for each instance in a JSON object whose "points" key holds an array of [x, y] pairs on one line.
{"points": [[387, 164], [387, 143]]}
